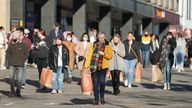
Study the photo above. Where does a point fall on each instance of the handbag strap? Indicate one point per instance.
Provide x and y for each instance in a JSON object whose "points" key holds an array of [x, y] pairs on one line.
{"points": [[135, 54]]}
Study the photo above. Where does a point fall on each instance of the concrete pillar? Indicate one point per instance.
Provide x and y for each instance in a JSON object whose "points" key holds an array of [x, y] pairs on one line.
{"points": [[154, 1], [79, 17], [163, 29], [18, 11], [175, 5], [48, 15], [127, 24], [160, 2], [147, 25], [170, 4], [105, 21], [5, 14], [165, 3]]}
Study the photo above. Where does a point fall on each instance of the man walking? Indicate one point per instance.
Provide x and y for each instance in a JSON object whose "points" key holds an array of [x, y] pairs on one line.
{"points": [[17, 53]]}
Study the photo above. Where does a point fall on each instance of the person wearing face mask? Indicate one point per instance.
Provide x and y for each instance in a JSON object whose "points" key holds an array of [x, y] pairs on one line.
{"points": [[116, 64], [167, 47], [81, 49], [16, 53], [71, 47], [58, 58]]}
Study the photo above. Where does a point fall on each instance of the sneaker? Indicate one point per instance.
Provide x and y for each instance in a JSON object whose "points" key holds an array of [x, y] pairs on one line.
{"points": [[60, 91], [165, 86], [3, 68], [129, 86], [182, 69], [179, 70], [126, 83], [168, 86], [53, 92]]}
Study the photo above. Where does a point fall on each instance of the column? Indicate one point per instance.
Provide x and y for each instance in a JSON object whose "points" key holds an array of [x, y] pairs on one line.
{"points": [[79, 17], [175, 5], [163, 29], [154, 1], [165, 3], [127, 24], [105, 21], [5, 14], [17, 10], [48, 15], [160, 2], [170, 4], [147, 25]]}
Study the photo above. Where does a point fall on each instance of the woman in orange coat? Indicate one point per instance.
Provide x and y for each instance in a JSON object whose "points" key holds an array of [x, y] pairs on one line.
{"points": [[71, 47]]}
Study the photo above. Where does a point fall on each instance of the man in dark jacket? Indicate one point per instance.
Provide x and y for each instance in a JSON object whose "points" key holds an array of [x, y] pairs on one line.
{"points": [[167, 47], [55, 32], [17, 53], [58, 58]]}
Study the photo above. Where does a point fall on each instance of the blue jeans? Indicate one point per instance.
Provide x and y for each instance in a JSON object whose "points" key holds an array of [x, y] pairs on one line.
{"points": [[24, 73], [167, 71], [180, 56], [99, 83], [58, 79], [15, 73], [69, 72], [145, 58], [129, 69]]}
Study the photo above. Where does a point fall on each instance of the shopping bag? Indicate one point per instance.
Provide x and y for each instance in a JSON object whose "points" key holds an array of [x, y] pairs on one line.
{"points": [[138, 72], [86, 82], [121, 75], [46, 77], [156, 73]]}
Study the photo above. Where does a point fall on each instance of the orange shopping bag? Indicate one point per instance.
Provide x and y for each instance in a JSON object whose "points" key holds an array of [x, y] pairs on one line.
{"points": [[138, 72], [86, 82], [46, 77]]}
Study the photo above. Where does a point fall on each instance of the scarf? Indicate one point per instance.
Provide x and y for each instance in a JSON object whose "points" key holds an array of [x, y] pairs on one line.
{"points": [[97, 60]]}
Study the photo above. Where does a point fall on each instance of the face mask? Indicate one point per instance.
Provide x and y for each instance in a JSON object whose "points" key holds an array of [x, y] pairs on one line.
{"points": [[85, 39], [14, 40], [69, 38]]}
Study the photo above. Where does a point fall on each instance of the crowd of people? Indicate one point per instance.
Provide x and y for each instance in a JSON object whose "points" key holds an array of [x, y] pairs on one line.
{"points": [[62, 52]]}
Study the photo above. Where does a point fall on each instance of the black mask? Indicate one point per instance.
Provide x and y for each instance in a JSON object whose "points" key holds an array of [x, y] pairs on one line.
{"points": [[14, 40], [115, 44]]}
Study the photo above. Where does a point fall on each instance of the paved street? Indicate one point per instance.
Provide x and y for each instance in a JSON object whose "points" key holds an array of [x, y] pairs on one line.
{"points": [[145, 95]]}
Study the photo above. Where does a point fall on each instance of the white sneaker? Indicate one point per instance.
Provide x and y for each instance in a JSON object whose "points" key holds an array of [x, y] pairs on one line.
{"points": [[126, 83], [182, 69], [179, 70], [165, 86], [173, 67], [53, 91], [168, 86], [129, 86], [60, 91]]}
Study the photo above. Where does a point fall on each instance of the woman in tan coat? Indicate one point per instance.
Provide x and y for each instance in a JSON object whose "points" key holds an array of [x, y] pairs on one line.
{"points": [[81, 49], [71, 47]]}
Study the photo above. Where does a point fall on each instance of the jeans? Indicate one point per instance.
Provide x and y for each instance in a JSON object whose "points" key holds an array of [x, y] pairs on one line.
{"points": [[69, 73], [180, 56], [58, 79], [15, 73], [99, 83], [167, 71], [24, 73], [145, 58], [115, 79], [129, 69]]}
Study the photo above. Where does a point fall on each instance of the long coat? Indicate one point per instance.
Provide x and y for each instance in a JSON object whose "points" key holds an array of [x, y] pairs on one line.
{"points": [[117, 58], [81, 51], [71, 48]]}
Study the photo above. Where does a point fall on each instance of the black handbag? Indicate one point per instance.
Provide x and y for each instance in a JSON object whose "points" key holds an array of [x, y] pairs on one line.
{"points": [[81, 58]]}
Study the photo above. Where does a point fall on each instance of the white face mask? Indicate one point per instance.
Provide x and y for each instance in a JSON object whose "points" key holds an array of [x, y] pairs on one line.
{"points": [[85, 39], [69, 38]]}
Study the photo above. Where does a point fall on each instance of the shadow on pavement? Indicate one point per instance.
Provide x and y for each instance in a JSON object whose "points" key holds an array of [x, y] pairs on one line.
{"points": [[151, 86], [6, 93], [181, 87], [77, 101], [6, 80], [34, 83], [76, 79]]}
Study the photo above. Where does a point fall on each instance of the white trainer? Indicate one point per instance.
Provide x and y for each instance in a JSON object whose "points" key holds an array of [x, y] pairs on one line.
{"points": [[126, 83]]}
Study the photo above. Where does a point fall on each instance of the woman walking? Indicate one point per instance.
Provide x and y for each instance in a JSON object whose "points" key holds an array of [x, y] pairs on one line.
{"points": [[132, 50], [116, 64], [81, 49]]}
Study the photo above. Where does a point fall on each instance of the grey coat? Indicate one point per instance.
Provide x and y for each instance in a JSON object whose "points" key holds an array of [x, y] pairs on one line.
{"points": [[117, 61]]}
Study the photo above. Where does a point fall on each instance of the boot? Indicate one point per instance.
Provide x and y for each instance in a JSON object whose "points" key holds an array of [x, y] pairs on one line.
{"points": [[102, 101], [18, 93], [165, 86], [12, 93]]}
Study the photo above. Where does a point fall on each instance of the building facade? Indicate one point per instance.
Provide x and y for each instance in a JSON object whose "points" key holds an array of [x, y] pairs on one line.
{"points": [[122, 16]]}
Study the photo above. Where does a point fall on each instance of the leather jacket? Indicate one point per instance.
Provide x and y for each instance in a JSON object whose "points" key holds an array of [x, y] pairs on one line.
{"points": [[53, 57]]}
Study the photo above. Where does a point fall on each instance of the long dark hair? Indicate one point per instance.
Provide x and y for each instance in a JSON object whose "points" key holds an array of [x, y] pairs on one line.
{"points": [[83, 36], [42, 32]]}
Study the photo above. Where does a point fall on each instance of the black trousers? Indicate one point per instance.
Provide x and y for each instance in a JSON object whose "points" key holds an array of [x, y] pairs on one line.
{"points": [[115, 79], [41, 63]]}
